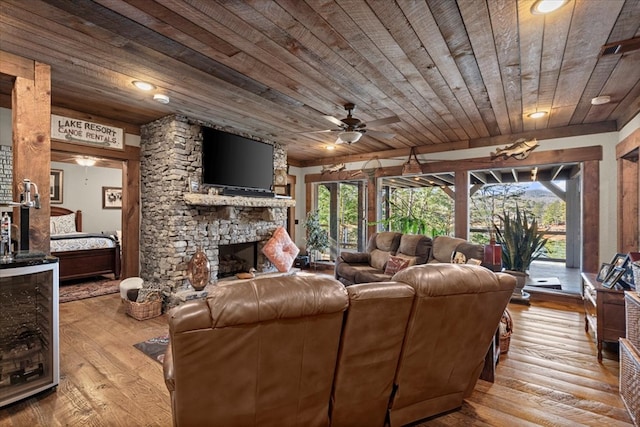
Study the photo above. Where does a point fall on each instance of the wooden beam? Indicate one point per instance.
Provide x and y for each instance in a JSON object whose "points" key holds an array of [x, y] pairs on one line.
{"points": [[31, 118], [16, 66], [591, 216], [462, 205]]}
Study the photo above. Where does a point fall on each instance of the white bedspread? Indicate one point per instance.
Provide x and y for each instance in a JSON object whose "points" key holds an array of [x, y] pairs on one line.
{"points": [[79, 241]]}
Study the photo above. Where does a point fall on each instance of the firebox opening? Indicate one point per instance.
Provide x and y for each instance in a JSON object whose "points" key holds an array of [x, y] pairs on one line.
{"points": [[237, 258]]}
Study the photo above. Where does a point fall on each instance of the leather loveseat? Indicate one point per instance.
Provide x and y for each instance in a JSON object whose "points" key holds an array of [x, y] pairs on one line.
{"points": [[307, 351], [388, 252]]}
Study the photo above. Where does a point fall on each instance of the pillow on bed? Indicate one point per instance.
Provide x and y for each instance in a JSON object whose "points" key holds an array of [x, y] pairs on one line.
{"points": [[63, 224]]}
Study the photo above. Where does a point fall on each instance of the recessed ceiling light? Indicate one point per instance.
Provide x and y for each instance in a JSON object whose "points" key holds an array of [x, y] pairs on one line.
{"points": [[331, 147], [143, 85], [541, 7], [162, 99], [537, 115], [599, 100]]}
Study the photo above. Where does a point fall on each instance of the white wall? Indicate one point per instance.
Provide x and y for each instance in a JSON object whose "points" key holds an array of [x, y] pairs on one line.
{"points": [[82, 190]]}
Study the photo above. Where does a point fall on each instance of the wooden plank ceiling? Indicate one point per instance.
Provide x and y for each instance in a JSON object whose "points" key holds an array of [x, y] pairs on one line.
{"points": [[457, 74]]}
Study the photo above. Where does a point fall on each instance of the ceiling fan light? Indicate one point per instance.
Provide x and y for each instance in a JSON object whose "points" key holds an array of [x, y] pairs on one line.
{"points": [[541, 7], [86, 161], [350, 136]]}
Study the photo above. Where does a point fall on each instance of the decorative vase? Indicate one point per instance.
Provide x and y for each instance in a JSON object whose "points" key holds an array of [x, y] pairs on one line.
{"points": [[199, 270]]}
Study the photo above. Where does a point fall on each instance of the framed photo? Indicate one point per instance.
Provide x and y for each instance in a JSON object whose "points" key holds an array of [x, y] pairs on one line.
{"points": [[604, 272], [55, 186], [111, 198], [620, 260], [613, 277]]}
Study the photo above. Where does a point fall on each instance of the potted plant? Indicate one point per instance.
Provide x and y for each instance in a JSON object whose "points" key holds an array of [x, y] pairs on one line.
{"points": [[521, 242], [317, 237]]}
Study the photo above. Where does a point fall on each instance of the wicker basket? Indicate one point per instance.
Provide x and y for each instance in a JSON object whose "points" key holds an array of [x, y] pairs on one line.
{"points": [[632, 301], [506, 329], [143, 310], [630, 379]]}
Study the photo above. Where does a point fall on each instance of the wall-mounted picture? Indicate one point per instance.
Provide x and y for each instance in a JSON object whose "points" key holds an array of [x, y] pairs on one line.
{"points": [[111, 198], [55, 186]]}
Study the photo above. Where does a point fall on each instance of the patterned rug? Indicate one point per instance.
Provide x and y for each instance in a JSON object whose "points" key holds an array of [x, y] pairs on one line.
{"points": [[154, 347], [76, 290]]}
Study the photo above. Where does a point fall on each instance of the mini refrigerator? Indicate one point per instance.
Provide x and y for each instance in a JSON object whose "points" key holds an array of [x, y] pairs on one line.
{"points": [[29, 346]]}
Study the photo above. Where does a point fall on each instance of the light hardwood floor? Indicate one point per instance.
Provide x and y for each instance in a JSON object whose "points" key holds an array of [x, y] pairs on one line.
{"points": [[549, 377]]}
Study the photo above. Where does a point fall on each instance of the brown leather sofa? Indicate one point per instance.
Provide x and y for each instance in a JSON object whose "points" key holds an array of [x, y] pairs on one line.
{"points": [[369, 266], [306, 351]]}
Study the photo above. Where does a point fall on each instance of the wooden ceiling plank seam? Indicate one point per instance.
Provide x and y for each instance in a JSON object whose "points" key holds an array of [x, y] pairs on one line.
{"points": [[436, 51], [580, 51], [477, 22], [437, 90], [556, 30], [531, 32], [625, 109], [595, 85], [345, 24], [504, 22], [412, 59]]}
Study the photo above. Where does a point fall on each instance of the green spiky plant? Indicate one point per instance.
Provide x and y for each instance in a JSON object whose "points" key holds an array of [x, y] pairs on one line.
{"points": [[317, 236], [521, 241]]}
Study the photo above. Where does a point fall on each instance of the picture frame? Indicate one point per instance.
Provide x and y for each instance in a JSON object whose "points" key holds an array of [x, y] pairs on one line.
{"points": [[56, 182], [614, 276], [605, 268], [111, 197], [620, 260]]}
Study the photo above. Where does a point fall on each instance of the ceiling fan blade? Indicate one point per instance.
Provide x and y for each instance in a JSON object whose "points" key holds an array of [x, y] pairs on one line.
{"points": [[386, 121], [378, 134], [335, 121]]}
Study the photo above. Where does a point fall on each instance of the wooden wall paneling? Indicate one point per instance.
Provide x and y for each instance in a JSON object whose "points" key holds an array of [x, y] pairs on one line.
{"points": [[627, 152], [291, 212], [462, 205], [591, 216], [31, 126]]}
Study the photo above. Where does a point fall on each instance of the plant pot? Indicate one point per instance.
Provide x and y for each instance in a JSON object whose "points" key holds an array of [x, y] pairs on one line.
{"points": [[521, 279]]}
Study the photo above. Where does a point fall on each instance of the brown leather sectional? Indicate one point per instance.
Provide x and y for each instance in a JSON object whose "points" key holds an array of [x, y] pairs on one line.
{"points": [[308, 351]]}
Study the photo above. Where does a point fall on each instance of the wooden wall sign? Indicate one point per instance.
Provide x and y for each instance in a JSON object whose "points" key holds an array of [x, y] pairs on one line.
{"points": [[78, 131]]}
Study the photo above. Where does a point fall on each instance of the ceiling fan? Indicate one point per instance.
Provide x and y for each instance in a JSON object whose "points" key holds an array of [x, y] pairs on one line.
{"points": [[351, 129]]}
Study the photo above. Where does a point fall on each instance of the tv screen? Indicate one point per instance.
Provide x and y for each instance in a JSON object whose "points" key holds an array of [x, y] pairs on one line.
{"points": [[230, 160]]}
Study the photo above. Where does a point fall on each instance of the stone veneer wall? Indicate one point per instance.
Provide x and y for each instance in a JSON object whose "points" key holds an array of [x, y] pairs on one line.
{"points": [[172, 230], [6, 173]]}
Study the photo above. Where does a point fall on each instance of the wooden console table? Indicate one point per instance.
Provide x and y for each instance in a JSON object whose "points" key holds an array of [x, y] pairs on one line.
{"points": [[603, 311]]}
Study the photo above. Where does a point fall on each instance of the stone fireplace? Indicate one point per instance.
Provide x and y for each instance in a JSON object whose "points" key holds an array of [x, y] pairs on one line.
{"points": [[176, 222]]}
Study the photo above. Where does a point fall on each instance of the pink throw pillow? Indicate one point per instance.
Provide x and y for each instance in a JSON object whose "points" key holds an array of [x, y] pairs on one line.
{"points": [[281, 250], [396, 264]]}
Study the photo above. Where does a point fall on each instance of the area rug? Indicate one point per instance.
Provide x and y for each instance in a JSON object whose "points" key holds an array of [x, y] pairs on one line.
{"points": [[154, 347], [87, 289]]}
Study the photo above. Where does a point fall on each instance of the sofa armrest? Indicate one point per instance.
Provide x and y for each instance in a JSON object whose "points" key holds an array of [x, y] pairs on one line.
{"points": [[356, 257], [167, 368]]}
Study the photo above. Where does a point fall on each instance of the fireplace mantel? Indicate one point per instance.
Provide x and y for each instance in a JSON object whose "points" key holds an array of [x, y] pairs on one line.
{"points": [[197, 199]]}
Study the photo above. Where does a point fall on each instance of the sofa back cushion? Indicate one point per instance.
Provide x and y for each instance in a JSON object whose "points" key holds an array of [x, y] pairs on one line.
{"points": [[416, 246], [454, 317], [260, 352], [381, 246], [444, 246], [372, 336]]}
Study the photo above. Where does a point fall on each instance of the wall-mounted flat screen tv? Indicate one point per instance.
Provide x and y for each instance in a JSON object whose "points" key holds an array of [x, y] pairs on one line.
{"points": [[234, 161]]}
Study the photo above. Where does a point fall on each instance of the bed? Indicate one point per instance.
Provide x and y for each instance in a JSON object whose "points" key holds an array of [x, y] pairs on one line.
{"points": [[81, 254]]}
